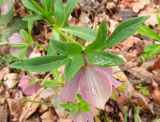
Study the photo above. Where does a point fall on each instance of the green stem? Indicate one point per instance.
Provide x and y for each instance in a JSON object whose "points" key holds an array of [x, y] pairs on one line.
{"points": [[39, 45], [50, 19], [65, 35]]}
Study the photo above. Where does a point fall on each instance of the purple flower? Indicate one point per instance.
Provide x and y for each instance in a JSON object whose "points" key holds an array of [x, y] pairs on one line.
{"points": [[83, 117], [28, 88], [94, 83], [16, 38], [47, 93]]}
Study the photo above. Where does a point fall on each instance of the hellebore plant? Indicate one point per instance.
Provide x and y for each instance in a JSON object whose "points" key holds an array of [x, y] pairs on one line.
{"points": [[88, 71]]}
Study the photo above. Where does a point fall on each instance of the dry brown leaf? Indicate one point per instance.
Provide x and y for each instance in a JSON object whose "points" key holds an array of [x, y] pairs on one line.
{"points": [[142, 74], [49, 116], [64, 120], [10, 80], [3, 72], [139, 4], [33, 120], [3, 113], [15, 108], [150, 11], [156, 96], [155, 66], [30, 107]]}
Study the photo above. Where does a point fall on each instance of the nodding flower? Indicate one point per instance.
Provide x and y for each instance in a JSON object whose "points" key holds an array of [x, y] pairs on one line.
{"points": [[94, 84], [83, 117]]}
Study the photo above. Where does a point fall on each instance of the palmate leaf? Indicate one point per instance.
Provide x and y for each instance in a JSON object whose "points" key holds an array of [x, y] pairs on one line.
{"points": [[99, 42], [81, 32], [124, 30], [104, 59], [73, 52], [40, 64]]}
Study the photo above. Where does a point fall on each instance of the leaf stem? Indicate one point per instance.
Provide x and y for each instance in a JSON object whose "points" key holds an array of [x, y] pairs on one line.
{"points": [[67, 37], [50, 19], [39, 45]]}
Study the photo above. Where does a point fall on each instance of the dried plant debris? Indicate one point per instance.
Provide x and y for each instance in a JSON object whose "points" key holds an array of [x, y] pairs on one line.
{"points": [[79, 60]]}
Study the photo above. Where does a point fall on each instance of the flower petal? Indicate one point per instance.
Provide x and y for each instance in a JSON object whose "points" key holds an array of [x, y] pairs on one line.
{"points": [[29, 91], [95, 86], [16, 38], [70, 88], [115, 83], [83, 117], [25, 85], [109, 70], [47, 93]]}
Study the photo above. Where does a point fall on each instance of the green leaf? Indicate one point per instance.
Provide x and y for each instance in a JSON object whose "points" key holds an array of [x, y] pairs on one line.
{"points": [[136, 115], [40, 64], [48, 5], [73, 65], [70, 5], [32, 5], [5, 19], [19, 45], [151, 50], [54, 36], [82, 32], [51, 84], [158, 18], [33, 17], [30, 26], [148, 32], [27, 37], [84, 106], [22, 53], [99, 42], [59, 13], [71, 107], [124, 30], [7, 59], [104, 59], [8, 2], [67, 48]]}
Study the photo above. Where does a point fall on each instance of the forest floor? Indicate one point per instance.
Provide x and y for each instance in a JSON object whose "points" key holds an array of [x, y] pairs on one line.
{"points": [[139, 96]]}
